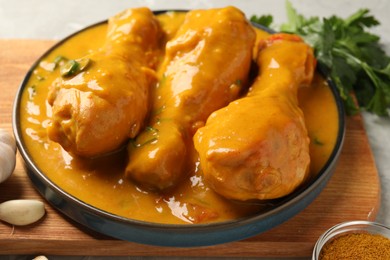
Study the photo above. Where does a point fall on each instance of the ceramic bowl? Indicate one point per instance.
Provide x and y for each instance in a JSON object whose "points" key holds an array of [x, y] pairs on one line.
{"points": [[187, 235]]}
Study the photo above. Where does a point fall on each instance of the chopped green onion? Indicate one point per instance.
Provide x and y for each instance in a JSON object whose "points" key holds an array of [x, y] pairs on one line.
{"points": [[83, 63], [138, 145], [151, 129], [59, 60], [73, 67], [69, 69]]}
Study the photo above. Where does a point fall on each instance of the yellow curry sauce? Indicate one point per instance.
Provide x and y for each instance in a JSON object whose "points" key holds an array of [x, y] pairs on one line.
{"points": [[101, 182]]}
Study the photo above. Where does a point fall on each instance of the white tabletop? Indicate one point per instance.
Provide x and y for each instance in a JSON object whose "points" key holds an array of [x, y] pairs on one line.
{"points": [[55, 19]]}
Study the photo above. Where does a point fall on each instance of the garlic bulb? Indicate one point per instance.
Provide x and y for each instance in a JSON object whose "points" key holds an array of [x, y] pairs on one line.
{"points": [[7, 155], [21, 212]]}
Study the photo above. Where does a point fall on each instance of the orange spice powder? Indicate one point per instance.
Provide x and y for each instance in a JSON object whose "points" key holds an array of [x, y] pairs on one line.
{"points": [[357, 246]]}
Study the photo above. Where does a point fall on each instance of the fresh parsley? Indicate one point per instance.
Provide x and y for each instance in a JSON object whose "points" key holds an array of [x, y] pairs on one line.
{"points": [[351, 54], [265, 20]]}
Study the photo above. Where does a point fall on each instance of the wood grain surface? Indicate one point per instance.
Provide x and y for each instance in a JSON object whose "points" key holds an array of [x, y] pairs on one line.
{"points": [[353, 193]]}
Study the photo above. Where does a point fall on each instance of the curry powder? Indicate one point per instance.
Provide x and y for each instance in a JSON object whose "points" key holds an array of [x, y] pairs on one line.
{"points": [[357, 246]]}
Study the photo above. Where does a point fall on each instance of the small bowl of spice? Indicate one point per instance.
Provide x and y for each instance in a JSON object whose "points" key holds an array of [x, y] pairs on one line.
{"points": [[354, 240]]}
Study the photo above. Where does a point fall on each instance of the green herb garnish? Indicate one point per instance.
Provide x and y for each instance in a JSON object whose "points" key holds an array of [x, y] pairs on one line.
{"points": [[150, 134], [138, 145], [60, 60], [265, 20], [353, 57], [73, 67], [151, 129], [69, 68]]}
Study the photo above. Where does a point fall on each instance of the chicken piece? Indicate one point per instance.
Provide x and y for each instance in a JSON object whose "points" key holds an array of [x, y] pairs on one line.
{"points": [[205, 66], [258, 147], [95, 111]]}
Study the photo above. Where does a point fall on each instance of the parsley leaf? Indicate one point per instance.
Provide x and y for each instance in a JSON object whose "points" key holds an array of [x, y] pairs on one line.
{"points": [[265, 20], [351, 54]]}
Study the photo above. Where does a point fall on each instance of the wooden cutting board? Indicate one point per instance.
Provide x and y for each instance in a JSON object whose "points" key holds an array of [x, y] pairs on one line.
{"points": [[353, 193]]}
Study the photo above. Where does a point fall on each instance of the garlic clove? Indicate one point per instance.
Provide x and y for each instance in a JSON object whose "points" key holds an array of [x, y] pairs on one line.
{"points": [[41, 257], [21, 212], [7, 161], [8, 139]]}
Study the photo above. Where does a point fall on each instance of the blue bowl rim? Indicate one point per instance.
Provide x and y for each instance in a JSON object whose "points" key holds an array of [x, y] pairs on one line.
{"points": [[191, 234]]}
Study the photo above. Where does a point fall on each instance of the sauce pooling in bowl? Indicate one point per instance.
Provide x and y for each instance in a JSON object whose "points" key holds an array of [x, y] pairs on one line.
{"points": [[101, 182]]}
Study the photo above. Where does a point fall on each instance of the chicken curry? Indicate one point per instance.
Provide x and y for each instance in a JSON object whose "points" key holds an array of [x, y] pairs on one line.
{"points": [[143, 132]]}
